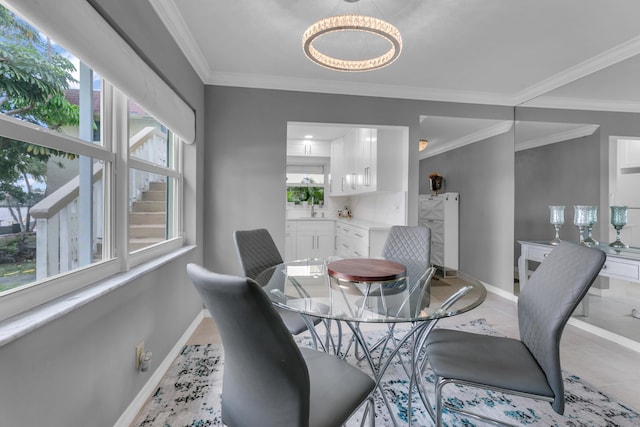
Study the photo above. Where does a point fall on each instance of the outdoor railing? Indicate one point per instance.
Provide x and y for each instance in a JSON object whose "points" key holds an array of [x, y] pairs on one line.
{"points": [[57, 221]]}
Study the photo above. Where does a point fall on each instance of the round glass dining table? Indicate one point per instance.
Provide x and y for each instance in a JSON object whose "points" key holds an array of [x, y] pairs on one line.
{"points": [[364, 291]]}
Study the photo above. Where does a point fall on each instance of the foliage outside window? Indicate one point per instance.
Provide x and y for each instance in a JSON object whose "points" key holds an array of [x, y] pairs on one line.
{"points": [[305, 187], [304, 195]]}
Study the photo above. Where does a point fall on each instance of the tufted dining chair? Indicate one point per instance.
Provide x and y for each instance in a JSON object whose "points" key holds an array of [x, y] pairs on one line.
{"points": [[411, 247], [267, 379], [258, 252], [529, 366]]}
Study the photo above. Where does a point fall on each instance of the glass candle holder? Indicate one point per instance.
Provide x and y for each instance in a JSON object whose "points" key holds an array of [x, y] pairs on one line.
{"points": [[581, 220], [556, 218], [592, 217], [618, 220]]}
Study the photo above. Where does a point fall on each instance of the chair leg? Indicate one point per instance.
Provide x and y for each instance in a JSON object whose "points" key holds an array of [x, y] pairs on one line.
{"points": [[372, 414], [370, 409], [440, 382]]}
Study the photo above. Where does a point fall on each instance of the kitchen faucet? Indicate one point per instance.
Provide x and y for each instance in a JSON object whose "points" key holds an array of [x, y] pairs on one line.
{"points": [[313, 210]]}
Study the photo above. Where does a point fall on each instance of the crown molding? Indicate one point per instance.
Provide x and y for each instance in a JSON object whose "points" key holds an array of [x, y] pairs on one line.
{"points": [[557, 137], [170, 16], [584, 104], [481, 135], [262, 81], [603, 60]]}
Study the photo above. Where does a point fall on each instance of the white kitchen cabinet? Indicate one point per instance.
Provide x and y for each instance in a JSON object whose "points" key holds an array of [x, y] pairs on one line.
{"points": [[336, 180], [440, 214], [359, 241], [308, 148], [290, 241], [366, 160], [313, 239], [362, 164]]}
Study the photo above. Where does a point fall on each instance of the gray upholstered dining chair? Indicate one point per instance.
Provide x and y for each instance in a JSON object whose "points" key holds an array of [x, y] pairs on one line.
{"points": [[258, 252], [529, 366], [411, 247], [267, 379]]}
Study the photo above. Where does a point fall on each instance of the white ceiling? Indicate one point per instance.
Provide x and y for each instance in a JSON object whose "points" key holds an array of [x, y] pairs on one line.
{"points": [[564, 54]]}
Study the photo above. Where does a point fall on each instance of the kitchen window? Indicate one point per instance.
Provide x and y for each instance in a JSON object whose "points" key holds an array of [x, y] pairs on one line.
{"points": [[306, 184]]}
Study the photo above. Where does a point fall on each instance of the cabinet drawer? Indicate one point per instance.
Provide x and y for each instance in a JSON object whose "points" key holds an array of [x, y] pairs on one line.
{"points": [[343, 230], [621, 270], [537, 253], [352, 241], [437, 229], [360, 240], [350, 249], [437, 254], [432, 208]]}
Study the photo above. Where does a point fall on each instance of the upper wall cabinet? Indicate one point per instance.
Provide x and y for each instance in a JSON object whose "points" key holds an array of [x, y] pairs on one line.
{"points": [[366, 160], [308, 148]]}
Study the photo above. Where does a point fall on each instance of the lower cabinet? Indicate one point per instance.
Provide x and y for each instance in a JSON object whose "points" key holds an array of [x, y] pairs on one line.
{"points": [[290, 241], [313, 239], [326, 238], [354, 241]]}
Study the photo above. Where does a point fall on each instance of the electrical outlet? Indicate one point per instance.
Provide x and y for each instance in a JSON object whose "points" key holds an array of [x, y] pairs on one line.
{"points": [[139, 353]]}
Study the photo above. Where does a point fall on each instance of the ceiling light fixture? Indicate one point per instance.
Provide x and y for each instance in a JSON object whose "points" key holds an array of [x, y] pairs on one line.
{"points": [[334, 24], [422, 144]]}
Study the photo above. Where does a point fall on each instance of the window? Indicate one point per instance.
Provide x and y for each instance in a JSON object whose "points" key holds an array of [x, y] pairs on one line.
{"points": [[64, 131], [306, 184], [153, 180]]}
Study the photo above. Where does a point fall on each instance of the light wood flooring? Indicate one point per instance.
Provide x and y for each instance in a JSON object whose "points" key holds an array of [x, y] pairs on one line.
{"points": [[611, 368]]}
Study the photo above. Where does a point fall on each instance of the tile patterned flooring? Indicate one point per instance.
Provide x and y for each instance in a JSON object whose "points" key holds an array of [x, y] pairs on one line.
{"points": [[607, 366]]}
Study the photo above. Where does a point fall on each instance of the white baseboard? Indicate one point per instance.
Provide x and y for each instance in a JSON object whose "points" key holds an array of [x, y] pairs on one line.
{"points": [[138, 402], [580, 324], [603, 333], [500, 292]]}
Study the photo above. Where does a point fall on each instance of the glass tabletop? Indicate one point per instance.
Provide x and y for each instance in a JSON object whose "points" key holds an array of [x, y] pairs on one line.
{"points": [[305, 286]]}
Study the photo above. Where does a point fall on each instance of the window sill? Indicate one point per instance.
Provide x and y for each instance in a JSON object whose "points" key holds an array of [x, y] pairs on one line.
{"points": [[24, 323]]}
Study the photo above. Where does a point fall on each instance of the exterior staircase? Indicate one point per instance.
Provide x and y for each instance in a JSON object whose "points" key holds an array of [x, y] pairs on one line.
{"points": [[148, 217]]}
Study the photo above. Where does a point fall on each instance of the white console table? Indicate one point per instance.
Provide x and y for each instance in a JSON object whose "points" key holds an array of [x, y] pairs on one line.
{"points": [[621, 264]]}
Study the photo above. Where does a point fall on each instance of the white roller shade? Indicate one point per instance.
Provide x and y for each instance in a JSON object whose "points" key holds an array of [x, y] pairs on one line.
{"points": [[77, 26]]}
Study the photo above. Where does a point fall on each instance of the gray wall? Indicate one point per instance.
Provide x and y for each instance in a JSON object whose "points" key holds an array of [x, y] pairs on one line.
{"points": [[482, 173], [79, 370], [565, 173], [246, 157]]}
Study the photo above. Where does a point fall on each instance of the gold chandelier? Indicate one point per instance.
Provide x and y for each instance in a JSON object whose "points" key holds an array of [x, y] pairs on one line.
{"points": [[363, 23]]}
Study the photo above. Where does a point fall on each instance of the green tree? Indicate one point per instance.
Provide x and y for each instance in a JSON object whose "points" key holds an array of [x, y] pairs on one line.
{"points": [[33, 79]]}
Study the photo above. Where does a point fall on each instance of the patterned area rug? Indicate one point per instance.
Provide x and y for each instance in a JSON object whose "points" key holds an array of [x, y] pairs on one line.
{"points": [[189, 395]]}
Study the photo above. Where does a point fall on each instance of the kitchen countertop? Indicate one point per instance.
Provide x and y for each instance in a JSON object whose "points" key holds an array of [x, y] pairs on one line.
{"points": [[308, 218], [369, 225]]}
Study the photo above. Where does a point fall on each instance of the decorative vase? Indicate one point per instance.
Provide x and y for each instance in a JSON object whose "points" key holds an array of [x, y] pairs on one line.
{"points": [[618, 220], [556, 218], [592, 216], [435, 183], [581, 220]]}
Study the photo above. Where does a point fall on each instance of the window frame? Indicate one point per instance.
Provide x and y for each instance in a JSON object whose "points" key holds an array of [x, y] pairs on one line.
{"points": [[113, 152], [296, 167]]}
